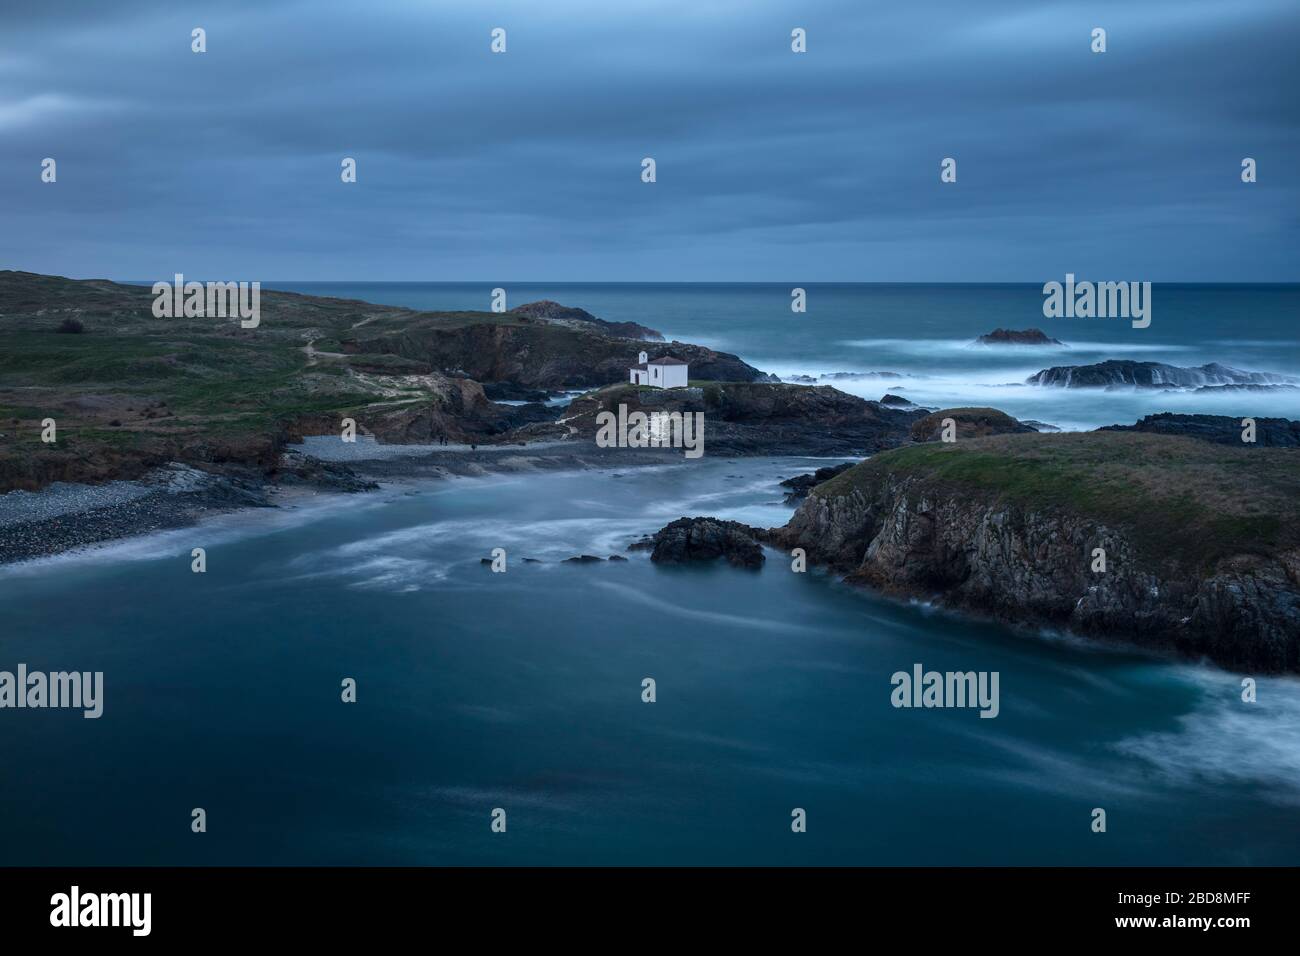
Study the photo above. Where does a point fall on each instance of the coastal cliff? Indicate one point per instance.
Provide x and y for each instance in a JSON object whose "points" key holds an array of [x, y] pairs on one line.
{"points": [[1201, 542]]}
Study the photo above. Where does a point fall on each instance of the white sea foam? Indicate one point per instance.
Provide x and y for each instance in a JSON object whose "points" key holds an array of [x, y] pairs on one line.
{"points": [[1224, 740], [928, 347]]}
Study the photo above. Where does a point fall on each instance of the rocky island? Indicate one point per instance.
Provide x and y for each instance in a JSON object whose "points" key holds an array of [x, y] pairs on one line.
{"points": [[1017, 337]]}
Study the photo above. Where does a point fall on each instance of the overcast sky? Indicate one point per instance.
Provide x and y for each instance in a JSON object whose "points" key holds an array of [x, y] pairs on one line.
{"points": [[771, 165]]}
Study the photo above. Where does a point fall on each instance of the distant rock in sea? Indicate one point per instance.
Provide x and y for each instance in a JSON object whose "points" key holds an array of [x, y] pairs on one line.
{"points": [[1125, 372], [896, 400], [1017, 337], [1220, 429], [1039, 426], [855, 376], [837, 377], [1249, 388]]}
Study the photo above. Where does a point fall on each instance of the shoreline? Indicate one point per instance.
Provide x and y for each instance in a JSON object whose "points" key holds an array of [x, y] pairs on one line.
{"points": [[176, 496]]}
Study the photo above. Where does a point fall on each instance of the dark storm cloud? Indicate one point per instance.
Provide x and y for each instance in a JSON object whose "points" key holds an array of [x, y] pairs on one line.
{"points": [[771, 164]]}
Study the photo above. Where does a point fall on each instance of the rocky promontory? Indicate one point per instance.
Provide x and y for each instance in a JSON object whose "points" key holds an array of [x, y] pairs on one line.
{"points": [[1201, 541], [800, 485], [546, 309], [761, 418]]}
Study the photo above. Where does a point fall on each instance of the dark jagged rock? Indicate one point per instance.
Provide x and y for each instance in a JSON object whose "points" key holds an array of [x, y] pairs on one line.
{"points": [[970, 422], [897, 401], [800, 485], [1124, 372], [1017, 337], [1221, 429], [546, 309], [704, 539], [295, 469], [617, 557], [582, 559], [760, 418]]}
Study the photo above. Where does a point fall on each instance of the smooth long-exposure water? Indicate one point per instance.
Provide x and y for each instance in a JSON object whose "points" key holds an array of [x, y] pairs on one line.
{"points": [[523, 691]]}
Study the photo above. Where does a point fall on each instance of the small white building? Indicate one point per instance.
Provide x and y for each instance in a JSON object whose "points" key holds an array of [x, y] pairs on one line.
{"points": [[662, 372]]}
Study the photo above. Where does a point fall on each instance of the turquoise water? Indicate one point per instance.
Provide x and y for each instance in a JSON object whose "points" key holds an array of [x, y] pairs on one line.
{"points": [[923, 332], [523, 691]]}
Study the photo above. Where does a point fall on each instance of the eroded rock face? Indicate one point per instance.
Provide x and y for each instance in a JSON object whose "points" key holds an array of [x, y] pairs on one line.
{"points": [[704, 539], [1033, 567]]}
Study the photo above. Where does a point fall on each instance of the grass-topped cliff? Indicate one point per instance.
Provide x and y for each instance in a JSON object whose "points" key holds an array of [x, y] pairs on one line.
{"points": [[1179, 498], [1201, 541]]}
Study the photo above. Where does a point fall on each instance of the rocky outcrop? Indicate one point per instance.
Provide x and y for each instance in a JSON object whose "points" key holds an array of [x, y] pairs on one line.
{"points": [[535, 354], [800, 485], [1151, 375], [553, 311], [1222, 429], [704, 539], [919, 522], [1016, 337], [761, 418], [969, 423]]}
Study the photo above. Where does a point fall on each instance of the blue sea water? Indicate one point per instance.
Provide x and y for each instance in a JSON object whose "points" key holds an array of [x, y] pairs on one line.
{"points": [[522, 690]]}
